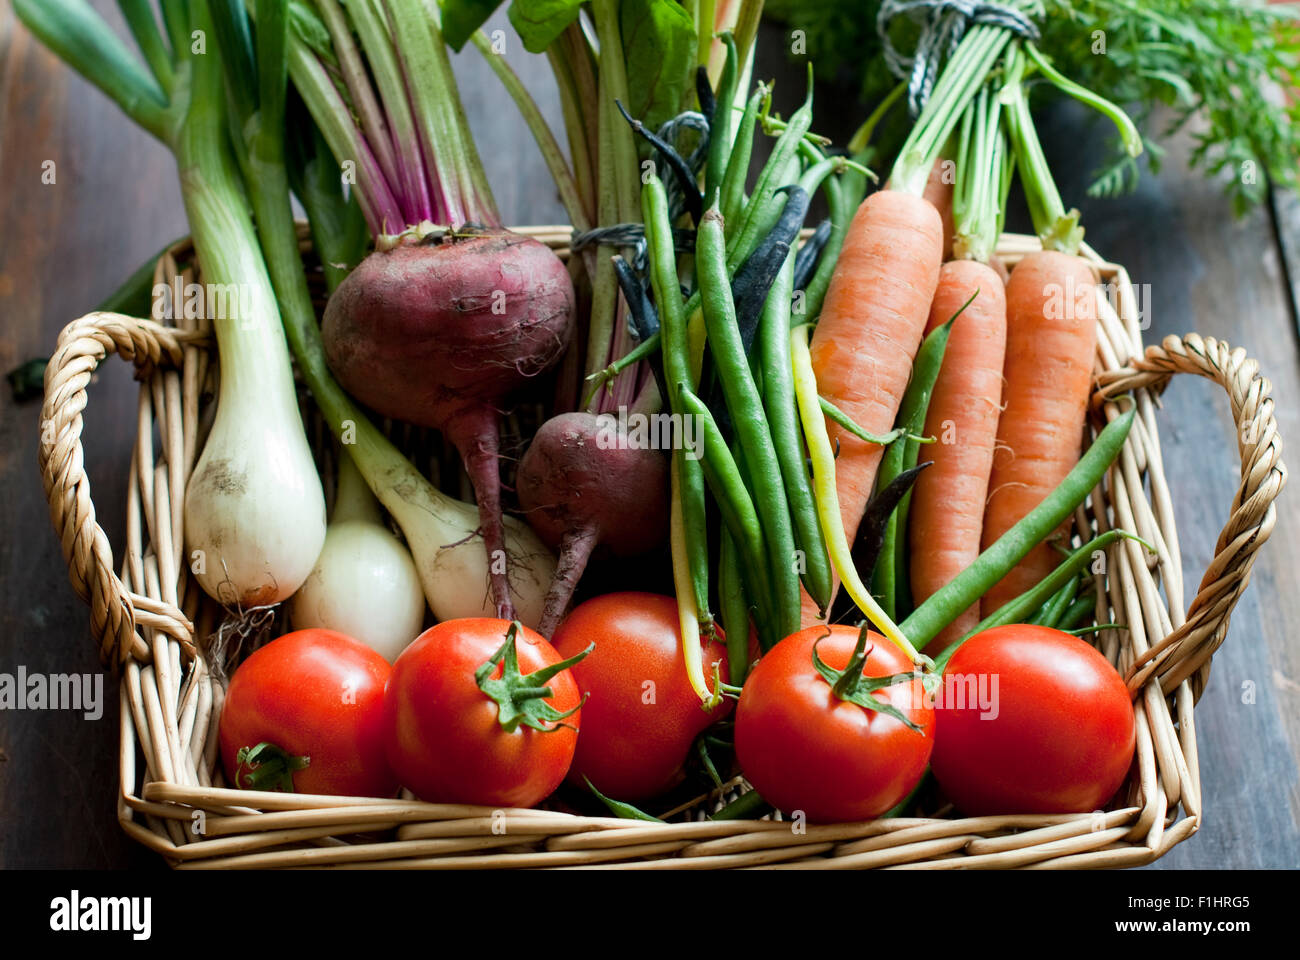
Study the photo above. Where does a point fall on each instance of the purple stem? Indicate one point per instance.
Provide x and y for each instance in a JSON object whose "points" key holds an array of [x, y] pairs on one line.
{"points": [[374, 122], [415, 190]]}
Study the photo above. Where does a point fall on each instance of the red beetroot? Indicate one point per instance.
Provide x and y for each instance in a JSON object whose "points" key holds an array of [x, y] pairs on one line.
{"points": [[439, 332], [581, 484]]}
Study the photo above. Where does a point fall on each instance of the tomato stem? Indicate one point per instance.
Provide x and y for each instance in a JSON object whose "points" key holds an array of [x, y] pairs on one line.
{"points": [[270, 767], [853, 686], [520, 699]]}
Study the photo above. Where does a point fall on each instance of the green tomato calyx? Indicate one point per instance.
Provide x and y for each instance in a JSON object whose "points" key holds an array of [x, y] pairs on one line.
{"points": [[520, 699], [852, 686], [270, 767]]}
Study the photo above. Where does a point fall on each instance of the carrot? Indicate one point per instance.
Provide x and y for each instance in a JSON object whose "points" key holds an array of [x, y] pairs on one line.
{"points": [[947, 507], [1051, 339], [939, 190], [870, 327]]}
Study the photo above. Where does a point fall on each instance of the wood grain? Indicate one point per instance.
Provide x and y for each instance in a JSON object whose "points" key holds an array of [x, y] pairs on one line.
{"points": [[65, 245]]}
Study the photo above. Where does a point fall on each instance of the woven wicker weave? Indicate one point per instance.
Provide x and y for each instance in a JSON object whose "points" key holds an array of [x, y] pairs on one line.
{"points": [[147, 615]]}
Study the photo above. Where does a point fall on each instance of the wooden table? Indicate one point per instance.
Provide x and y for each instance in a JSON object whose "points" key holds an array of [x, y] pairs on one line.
{"points": [[65, 245]]}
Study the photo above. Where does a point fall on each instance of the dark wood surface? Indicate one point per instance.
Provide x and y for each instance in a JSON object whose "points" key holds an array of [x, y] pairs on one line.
{"points": [[64, 246]]}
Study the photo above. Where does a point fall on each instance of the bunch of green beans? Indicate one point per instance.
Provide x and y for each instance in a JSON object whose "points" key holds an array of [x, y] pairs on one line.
{"points": [[770, 539], [677, 370], [783, 420], [777, 572]]}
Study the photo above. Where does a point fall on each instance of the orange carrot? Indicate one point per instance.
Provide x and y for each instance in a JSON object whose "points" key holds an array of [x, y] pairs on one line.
{"points": [[1051, 339], [939, 191], [870, 327], [947, 507]]}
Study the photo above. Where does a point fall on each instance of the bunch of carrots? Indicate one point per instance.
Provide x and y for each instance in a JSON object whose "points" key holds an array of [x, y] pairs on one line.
{"points": [[1006, 409]]}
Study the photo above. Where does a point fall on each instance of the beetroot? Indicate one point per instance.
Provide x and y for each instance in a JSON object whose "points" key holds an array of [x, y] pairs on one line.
{"points": [[440, 331], [580, 484]]}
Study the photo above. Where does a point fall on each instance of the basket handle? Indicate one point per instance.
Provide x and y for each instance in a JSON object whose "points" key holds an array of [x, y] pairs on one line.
{"points": [[1187, 650], [115, 612]]}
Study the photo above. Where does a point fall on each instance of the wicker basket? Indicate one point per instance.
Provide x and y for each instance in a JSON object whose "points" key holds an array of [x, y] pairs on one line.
{"points": [[147, 614]]}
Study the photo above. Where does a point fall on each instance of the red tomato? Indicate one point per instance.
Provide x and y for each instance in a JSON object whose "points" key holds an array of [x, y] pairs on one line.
{"points": [[641, 715], [1057, 735], [805, 748], [445, 734], [313, 694]]}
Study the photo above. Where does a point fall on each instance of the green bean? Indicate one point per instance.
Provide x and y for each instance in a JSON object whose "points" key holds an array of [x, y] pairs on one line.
{"points": [[783, 420], [818, 172], [646, 348], [839, 416], [688, 618], [733, 608], [733, 184], [996, 562], [1041, 613], [677, 368], [1082, 607], [620, 809], [734, 502], [746, 409], [1015, 611], [762, 604], [1060, 602], [746, 806], [720, 124], [889, 572]]}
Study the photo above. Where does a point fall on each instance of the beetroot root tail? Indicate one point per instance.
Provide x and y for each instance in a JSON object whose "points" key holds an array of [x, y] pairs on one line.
{"points": [[575, 551], [475, 436]]}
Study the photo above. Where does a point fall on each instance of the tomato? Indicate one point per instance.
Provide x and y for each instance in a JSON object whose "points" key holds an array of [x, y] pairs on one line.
{"points": [[454, 737], [641, 715], [804, 747], [1054, 733], [316, 697]]}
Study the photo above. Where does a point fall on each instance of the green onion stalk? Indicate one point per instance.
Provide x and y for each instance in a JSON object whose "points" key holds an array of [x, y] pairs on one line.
{"points": [[254, 506]]}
